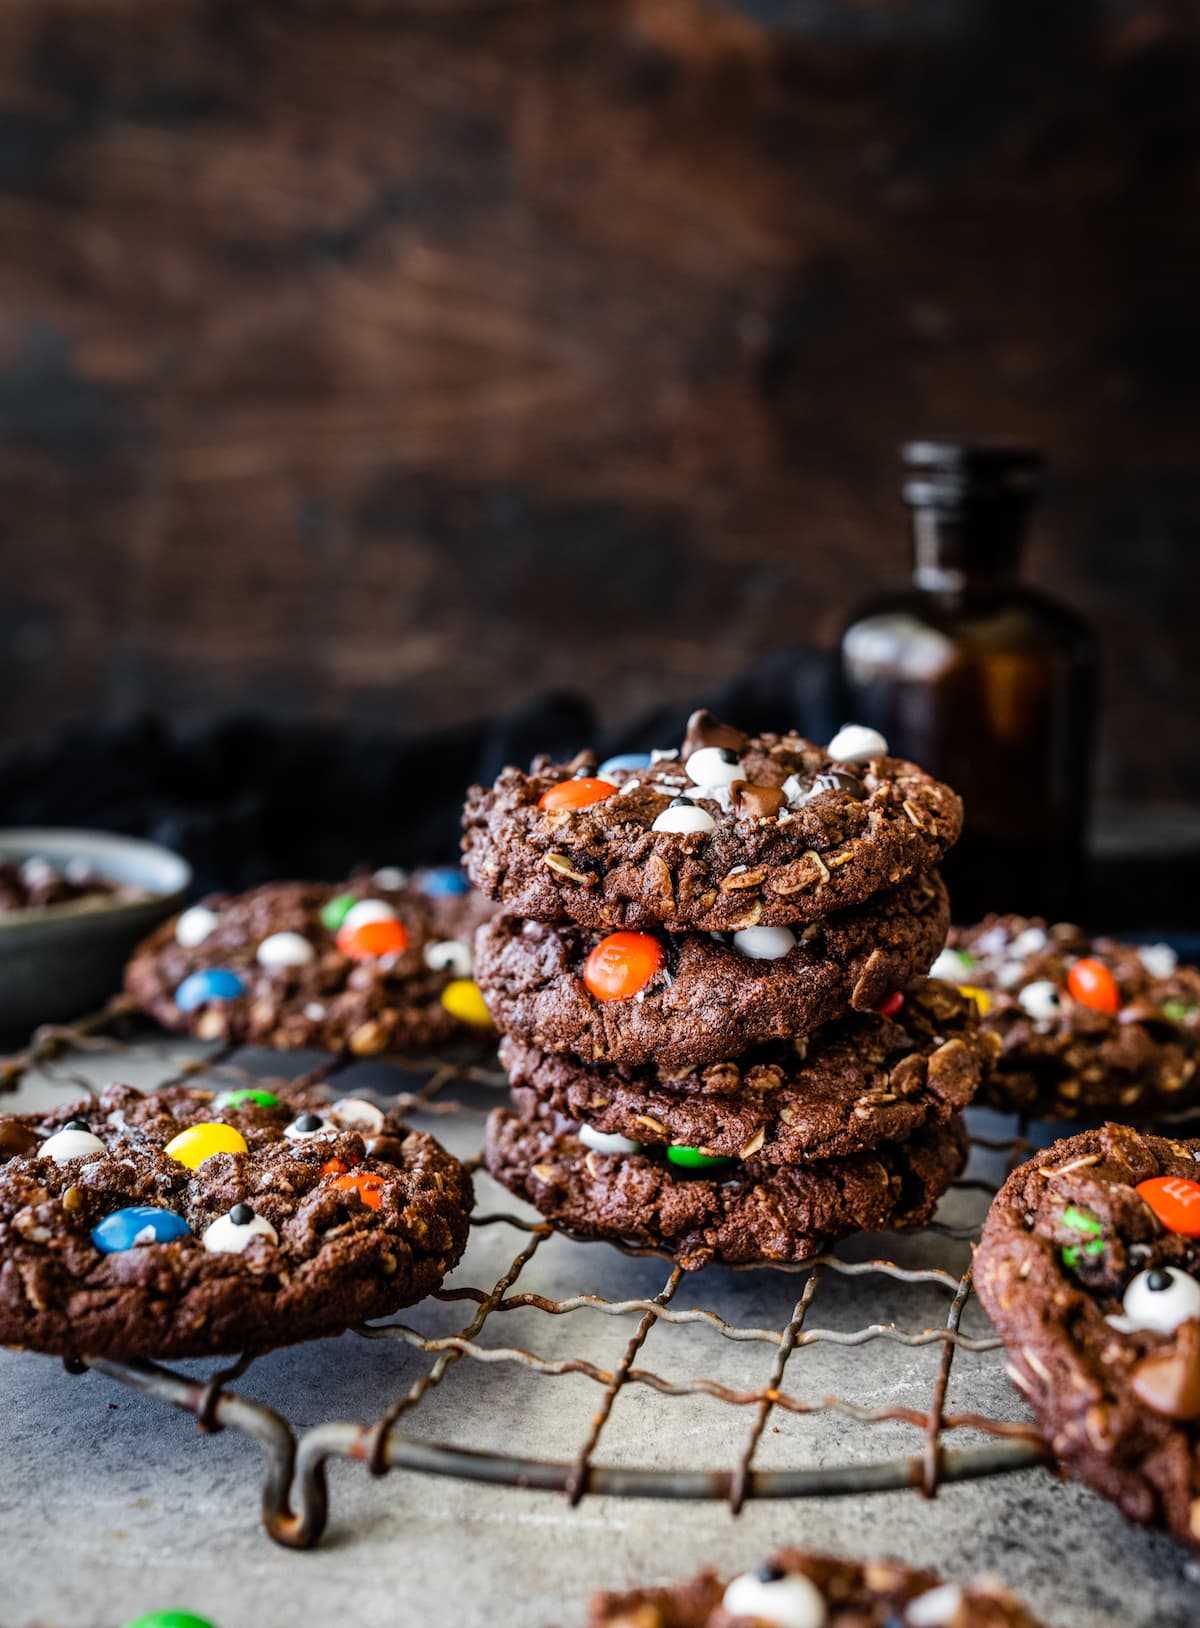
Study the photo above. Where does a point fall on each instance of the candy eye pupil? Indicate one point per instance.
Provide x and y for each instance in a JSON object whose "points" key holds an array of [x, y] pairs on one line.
{"points": [[241, 1215], [308, 1122], [728, 755], [768, 1573], [681, 802], [1158, 1279], [75, 1125]]}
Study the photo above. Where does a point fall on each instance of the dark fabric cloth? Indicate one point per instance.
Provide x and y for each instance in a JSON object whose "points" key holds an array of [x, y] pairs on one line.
{"points": [[248, 799]]}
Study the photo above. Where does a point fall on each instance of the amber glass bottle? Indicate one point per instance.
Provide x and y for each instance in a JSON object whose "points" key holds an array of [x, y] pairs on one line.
{"points": [[980, 679]]}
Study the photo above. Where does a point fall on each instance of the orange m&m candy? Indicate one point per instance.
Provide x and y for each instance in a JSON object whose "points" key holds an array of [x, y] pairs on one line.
{"points": [[621, 964], [1175, 1201], [368, 1187], [576, 793], [1092, 984], [335, 1167], [373, 939]]}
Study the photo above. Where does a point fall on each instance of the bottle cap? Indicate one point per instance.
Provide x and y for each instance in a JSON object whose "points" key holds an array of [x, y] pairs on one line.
{"points": [[947, 474]]}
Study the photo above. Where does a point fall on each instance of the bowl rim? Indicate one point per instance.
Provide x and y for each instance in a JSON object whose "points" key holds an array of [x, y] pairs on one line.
{"points": [[55, 841]]}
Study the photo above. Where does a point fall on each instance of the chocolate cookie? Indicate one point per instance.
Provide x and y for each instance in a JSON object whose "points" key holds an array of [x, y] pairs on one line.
{"points": [[1087, 1026], [376, 964], [857, 1083], [36, 884], [185, 1223], [798, 1590], [1089, 1266], [729, 832], [700, 1210], [681, 1000]]}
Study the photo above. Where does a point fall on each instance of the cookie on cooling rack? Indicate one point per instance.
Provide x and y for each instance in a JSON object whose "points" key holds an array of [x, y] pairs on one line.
{"points": [[1088, 1026], [726, 832], [1089, 1266], [187, 1223], [868, 1079], [700, 1209], [681, 1000], [797, 1590], [379, 963]]}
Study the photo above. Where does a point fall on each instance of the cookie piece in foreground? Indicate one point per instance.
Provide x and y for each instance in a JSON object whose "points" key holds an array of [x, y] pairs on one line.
{"points": [[701, 1211], [855, 1084], [794, 1589], [189, 1223], [684, 999], [371, 965], [728, 832], [1089, 1266], [1088, 1026]]}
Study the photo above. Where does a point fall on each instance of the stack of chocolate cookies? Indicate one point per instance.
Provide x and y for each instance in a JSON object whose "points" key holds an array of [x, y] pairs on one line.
{"points": [[708, 979]]}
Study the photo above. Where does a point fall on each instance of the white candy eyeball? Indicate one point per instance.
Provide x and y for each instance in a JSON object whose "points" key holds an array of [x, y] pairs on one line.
{"points": [[390, 877], [783, 1599], [1030, 942], [1159, 960], [1161, 1299], [1040, 999], [764, 943], [304, 1126], [356, 1114], [451, 955], [936, 1608], [195, 925], [855, 743], [607, 1144], [74, 1141], [230, 1234], [952, 967], [284, 950], [364, 911], [682, 816], [714, 766]]}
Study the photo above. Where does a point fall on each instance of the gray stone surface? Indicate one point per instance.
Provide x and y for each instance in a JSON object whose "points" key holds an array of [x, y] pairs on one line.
{"points": [[111, 1504]]}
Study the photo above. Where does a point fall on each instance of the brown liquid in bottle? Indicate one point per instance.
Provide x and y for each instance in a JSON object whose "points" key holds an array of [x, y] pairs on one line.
{"points": [[986, 683]]}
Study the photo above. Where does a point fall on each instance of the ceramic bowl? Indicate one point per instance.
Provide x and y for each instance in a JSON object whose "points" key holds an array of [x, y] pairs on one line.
{"points": [[66, 960]]}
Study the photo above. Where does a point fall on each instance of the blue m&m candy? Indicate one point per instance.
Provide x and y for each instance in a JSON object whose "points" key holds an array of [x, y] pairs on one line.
{"points": [[213, 984], [140, 1224], [630, 762], [444, 881]]}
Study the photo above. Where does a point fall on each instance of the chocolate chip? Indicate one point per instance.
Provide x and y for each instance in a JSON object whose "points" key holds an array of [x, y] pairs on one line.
{"points": [[241, 1215], [760, 802], [704, 730]]}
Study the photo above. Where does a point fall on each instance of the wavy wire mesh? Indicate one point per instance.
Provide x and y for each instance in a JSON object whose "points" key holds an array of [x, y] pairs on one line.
{"points": [[295, 1502]]}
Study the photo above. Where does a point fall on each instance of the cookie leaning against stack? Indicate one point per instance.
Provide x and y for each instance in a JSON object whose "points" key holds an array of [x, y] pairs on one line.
{"points": [[750, 1065]]}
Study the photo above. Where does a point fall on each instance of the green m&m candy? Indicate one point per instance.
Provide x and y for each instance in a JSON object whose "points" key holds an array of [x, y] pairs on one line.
{"points": [[335, 910], [693, 1159], [1092, 1230], [171, 1619], [247, 1098], [1177, 1011]]}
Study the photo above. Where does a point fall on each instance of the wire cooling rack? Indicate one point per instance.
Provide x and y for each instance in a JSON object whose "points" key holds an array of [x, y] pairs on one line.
{"points": [[926, 1295]]}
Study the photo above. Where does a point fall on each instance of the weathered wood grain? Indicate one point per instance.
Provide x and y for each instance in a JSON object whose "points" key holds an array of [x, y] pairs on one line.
{"points": [[390, 360]]}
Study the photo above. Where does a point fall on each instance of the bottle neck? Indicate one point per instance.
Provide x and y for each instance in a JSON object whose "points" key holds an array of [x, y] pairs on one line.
{"points": [[973, 545]]}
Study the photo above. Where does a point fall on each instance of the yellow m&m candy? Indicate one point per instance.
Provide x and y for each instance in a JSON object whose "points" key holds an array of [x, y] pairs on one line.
{"points": [[980, 996], [200, 1142], [462, 999]]}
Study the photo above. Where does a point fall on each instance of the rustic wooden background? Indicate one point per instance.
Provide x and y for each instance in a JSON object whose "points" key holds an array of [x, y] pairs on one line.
{"points": [[388, 361]]}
